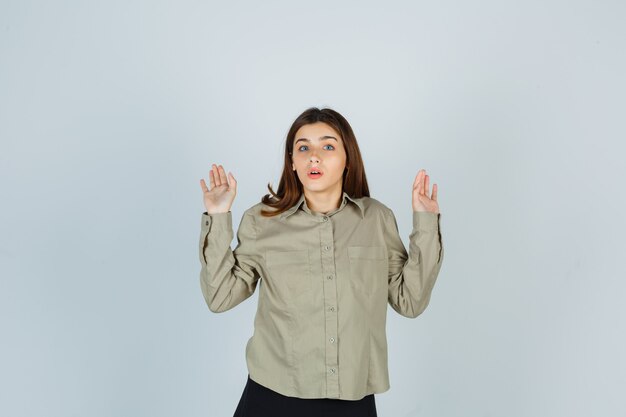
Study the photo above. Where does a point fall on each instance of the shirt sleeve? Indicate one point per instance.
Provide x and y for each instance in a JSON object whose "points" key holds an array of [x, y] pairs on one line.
{"points": [[412, 276], [227, 277]]}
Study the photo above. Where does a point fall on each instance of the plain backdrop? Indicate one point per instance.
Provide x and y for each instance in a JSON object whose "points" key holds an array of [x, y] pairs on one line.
{"points": [[111, 112]]}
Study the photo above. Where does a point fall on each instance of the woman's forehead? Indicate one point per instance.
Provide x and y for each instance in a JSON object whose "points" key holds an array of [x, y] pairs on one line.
{"points": [[316, 132]]}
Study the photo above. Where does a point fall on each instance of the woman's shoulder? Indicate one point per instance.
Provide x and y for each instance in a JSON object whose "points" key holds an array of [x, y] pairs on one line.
{"points": [[370, 205], [255, 209], [374, 205]]}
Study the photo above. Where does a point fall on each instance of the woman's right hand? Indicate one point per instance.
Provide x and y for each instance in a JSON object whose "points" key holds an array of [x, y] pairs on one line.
{"points": [[219, 199]]}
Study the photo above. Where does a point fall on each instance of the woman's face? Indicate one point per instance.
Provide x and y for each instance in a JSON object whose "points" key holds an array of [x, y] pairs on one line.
{"points": [[318, 146]]}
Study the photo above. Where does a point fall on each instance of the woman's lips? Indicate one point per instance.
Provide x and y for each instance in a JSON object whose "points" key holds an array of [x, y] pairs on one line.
{"points": [[314, 176]]}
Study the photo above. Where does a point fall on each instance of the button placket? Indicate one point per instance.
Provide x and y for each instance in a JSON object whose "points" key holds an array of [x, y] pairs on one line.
{"points": [[330, 303]]}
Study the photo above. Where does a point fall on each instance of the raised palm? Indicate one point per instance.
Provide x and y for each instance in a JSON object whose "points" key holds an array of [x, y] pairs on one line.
{"points": [[421, 200], [219, 199]]}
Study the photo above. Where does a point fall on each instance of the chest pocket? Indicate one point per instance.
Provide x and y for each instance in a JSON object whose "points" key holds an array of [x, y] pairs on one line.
{"points": [[368, 268], [290, 270]]}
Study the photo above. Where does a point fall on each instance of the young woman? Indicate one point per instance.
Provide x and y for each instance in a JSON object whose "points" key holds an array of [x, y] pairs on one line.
{"points": [[328, 259]]}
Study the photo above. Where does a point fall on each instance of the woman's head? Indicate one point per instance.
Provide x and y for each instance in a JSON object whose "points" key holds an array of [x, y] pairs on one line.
{"points": [[321, 139]]}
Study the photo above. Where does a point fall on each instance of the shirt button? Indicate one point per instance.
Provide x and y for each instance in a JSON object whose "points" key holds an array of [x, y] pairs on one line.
{"points": [[326, 247], [206, 222], [332, 370], [332, 309], [329, 277], [332, 340], [325, 218]]}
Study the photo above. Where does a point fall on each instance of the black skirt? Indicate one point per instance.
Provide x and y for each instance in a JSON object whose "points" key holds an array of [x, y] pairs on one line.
{"points": [[260, 401]]}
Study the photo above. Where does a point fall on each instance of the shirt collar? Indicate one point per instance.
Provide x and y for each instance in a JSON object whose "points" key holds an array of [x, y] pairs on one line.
{"points": [[344, 198]]}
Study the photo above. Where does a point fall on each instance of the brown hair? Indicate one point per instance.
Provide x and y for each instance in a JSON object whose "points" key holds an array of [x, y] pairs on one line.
{"points": [[290, 188]]}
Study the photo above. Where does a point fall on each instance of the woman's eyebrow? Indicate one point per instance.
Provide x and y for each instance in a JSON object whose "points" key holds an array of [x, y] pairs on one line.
{"points": [[322, 138]]}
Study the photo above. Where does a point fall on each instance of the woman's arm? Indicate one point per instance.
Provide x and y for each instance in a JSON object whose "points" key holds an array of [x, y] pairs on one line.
{"points": [[412, 276], [227, 277]]}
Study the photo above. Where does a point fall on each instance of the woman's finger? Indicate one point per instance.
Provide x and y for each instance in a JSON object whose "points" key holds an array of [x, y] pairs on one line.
{"points": [[422, 179], [216, 176], [426, 185], [222, 173], [212, 179], [233, 181], [434, 192], [203, 185], [416, 183]]}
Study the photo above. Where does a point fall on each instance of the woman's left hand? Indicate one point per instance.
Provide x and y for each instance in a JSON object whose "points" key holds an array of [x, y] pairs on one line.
{"points": [[421, 200]]}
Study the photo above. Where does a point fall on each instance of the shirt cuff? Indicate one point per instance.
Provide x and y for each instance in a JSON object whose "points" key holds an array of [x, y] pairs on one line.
{"points": [[426, 220], [217, 221]]}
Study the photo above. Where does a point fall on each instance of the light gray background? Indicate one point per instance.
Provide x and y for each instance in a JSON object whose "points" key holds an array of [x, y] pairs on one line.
{"points": [[110, 113]]}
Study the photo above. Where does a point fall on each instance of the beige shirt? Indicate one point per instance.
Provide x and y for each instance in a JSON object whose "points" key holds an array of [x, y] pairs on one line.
{"points": [[324, 284]]}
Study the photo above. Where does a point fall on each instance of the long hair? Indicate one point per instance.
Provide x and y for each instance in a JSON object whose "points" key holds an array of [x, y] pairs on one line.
{"points": [[290, 188]]}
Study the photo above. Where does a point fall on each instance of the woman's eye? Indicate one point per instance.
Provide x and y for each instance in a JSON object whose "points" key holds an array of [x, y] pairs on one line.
{"points": [[304, 146]]}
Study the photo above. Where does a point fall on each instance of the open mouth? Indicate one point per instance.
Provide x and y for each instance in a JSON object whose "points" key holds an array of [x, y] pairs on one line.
{"points": [[314, 173]]}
